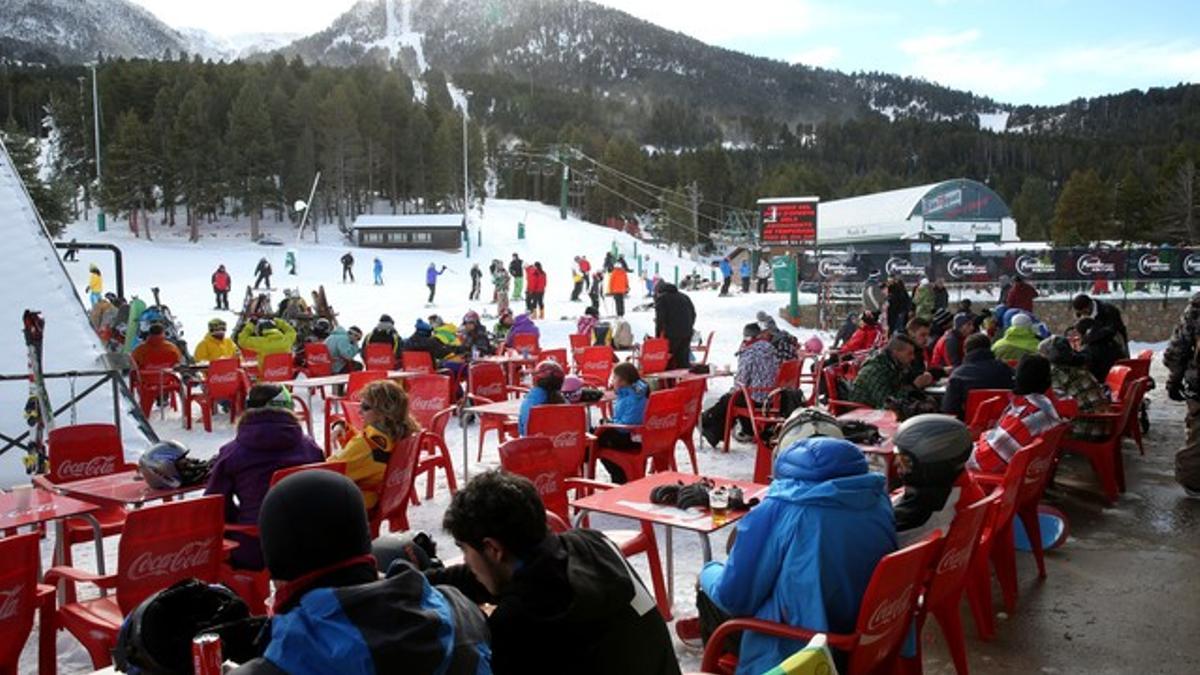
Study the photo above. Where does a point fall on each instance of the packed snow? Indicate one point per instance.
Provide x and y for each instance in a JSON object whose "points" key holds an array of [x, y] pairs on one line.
{"points": [[994, 121]]}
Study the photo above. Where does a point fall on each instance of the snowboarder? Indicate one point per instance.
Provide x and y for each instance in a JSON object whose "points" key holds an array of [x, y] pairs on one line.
{"points": [[221, 283], [764, 274], [378, 272], [476, 276], [744, 272], [289, 261], [72, 252], [431, 276], [348, 267], [262, 273], [726, 275], [95, 285], [516, 269]]}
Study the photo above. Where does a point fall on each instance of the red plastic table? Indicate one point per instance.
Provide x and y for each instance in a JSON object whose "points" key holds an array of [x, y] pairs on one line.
{"points": [[886, 422], [679, 374], [512, 363], [23, 507], [124, 488], [632, 500]]}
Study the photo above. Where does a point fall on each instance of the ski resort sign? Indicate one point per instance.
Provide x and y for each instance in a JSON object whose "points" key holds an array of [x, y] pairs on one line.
{"points": [[790, 221]]}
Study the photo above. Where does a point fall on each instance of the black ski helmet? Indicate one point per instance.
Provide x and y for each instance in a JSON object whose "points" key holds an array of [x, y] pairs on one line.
{"points": [[936, 445], [311, 520]]}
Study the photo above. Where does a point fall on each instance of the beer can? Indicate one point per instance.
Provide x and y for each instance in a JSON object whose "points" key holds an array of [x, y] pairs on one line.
{"points": [[206, 654]]}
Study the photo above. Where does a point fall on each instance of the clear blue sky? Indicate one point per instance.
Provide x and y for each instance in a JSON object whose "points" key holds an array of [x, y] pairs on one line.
{"points": [[1016, 51]]}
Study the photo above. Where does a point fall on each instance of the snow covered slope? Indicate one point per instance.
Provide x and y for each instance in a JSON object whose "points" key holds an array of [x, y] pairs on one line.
{"points": [[35, 279]]}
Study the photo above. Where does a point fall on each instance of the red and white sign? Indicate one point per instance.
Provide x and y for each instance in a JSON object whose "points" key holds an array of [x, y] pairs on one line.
{"points": [[789, 222]]}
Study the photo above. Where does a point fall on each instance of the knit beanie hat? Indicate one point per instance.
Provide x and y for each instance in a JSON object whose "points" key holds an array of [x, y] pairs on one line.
{"points": [[1033, 375], [269, 396]]}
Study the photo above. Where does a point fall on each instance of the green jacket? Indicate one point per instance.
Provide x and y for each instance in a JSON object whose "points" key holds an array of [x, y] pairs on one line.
{"points": [[277, 340], [879, 378], [923, 301], [1017, 342]]}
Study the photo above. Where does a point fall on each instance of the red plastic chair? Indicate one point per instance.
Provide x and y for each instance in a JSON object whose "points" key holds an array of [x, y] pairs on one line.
{"points": [[654, 356], [354, 383], [20, 595], [788, 377], [379, 356], [1105, 454], [837, 406], [317, 360], [397, 491], [987, 413], [884, 616], [995, 543], [943, 593], [536, 459], [282, 368], [526, 341], [154, 383], [595, 365], [1119, 379], [761, 418], [566, 427], [704, 348], [429, 403], [161, 545], [975, 397], [85, 451], [658, 431], [558, 356], [578, 344], [693, 406], [224, 381], [487, 383], [417, 362]]}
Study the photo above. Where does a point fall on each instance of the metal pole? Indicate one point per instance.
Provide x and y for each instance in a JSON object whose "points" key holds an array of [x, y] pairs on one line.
{"points": [[562, 190], [96, 125], [466, 183], [308, 207], [694, 189]]}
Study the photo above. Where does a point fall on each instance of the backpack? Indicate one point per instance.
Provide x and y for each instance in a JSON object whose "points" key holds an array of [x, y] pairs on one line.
{"points": [[622, 335]]}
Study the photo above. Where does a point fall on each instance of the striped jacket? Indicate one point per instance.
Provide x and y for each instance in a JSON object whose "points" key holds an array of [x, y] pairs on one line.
{"points": [[1027, 417]]}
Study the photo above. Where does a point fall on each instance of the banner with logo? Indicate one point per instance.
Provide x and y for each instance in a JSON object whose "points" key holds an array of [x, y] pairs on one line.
{"points": [[1189, 263], [1097, 264], [1156, 263], [904, 267], [839, 268], [1035, 265], [963, 267]]}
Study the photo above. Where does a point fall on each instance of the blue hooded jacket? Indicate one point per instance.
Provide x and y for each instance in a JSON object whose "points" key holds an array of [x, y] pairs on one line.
{"points": [[378, 265], [341, 349], [726, 268], [744, 270], [431, 274], [536, 396], [630, 406], [805, 555]]}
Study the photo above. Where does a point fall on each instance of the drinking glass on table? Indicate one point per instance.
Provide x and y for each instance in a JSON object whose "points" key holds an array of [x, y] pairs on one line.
{"points": [[718, 503]]}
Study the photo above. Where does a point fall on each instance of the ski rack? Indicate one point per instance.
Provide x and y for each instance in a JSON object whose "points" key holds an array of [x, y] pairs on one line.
{"points": [[118, 263], [117, 366]]}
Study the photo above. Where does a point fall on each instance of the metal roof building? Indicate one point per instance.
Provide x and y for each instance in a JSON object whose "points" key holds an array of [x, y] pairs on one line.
{"points": [[440, 231], [959, 210]]}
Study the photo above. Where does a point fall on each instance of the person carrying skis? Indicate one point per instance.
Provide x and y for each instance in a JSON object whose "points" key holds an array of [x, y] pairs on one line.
{"points": [[764, 274], [378, 268], [431, 277], [95, 285], [348, 267], [516, 269], [221, 282], [262, 273], [744, 272], [476, 277]]}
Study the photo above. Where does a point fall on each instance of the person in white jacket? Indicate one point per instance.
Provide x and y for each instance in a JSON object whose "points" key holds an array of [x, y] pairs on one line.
{"points": [[762, 274]]}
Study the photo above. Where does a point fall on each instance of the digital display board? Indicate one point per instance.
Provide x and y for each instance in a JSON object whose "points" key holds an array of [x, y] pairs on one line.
{"points": [[789, 222]]}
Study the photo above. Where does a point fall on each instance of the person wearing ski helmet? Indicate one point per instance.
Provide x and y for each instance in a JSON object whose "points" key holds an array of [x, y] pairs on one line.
{"points": [[572, 388], [331, 611], [932, 453], [221, 283], [262, 273], [215, 344], [547, 389], [504, 324], [386, 422], [474, 336], [267, 336], [321, 328]]}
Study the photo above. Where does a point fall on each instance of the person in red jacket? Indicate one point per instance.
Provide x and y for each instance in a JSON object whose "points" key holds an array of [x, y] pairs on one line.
{"points": [[586, 268], [221, 283], [536, 286], [1021, 295], [866, 337]]}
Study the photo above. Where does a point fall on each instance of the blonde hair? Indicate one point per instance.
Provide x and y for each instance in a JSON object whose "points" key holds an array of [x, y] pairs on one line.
{"points": [[390, 401]]}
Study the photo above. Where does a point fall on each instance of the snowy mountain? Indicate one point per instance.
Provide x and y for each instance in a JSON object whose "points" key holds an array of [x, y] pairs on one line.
{"points": [[75, 31], [233, 47]]}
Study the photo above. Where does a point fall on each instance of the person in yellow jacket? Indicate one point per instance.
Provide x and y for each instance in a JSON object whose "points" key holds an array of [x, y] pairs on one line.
{"points": [[95, 285], [386, 422], [267, 337], [215, 345]]}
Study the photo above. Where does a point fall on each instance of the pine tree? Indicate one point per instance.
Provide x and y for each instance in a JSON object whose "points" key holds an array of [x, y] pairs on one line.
{"points": [[1131, 208], [1033, 209], [341, 144], [1179, 198], [441, 162], [130, 171], [197, 152], [251, 152], [1082, 212], [51, 200]]}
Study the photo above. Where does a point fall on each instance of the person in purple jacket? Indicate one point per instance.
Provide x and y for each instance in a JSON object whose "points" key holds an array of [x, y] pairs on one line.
{"points": [[269, 438], [521, 325]]}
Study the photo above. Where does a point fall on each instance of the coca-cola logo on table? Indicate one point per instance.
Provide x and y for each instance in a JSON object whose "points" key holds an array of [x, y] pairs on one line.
{"points": [[964, 267], [891, 610], [904, 268], [10, 602], [832, 267], [150, 564], [1028, 266], [96, 466], [1090, 263], [546, 483]]}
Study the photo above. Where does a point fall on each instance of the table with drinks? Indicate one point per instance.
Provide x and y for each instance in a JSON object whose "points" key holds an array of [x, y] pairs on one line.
{"points": [[883, 455], [632, 500]]}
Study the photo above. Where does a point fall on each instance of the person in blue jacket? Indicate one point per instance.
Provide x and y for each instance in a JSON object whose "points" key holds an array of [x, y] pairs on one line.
{"points": [[628, 409], [431, 276], [726, 275], [332, 612], [378, 272], [744, 273], [805, 555], [546, 390], [343, 346]]}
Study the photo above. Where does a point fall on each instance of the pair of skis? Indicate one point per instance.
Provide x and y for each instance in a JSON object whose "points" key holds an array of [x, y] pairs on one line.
{"points": [[38, 413]]}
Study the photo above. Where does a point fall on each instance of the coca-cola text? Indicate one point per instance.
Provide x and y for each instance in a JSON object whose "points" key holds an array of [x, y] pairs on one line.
{"points": [[891, 610], [150, 564], [96, 466]]}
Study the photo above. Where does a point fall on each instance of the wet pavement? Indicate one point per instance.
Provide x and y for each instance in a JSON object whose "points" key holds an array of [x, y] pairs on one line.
{"points": [[1122, 595]]}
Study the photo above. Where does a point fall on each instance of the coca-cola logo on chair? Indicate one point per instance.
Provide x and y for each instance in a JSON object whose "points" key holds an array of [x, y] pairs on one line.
{"points": [[546, 483], [662, 422], [426, 404], [96, 466], [152, 564], [490, 390], [565, 439], [10, 602], [891, 610], [955, 559]]}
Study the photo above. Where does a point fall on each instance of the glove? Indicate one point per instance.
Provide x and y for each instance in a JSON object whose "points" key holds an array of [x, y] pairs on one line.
{"points": [[1175, 390], [695, 494], [666, 494]]}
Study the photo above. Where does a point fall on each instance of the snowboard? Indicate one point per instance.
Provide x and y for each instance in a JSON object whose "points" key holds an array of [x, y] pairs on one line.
{"points": [[1053, 524], [136, 307]]}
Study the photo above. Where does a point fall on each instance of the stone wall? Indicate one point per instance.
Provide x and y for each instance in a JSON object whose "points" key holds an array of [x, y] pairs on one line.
{"points": [[1148, 319]]}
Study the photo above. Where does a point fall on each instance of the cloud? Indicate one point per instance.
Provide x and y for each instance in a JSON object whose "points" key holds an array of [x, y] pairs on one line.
{"points": [[935, 43], [821, 57]]}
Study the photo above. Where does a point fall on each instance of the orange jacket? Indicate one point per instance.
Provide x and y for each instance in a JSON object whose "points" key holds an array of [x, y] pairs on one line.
{"points": [[156, 352], [618, 281]]}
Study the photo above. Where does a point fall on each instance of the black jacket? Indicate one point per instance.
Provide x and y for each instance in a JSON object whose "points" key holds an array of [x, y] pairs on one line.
{"points": [[386, 334], [1101, 350], [516, 267], [574, 606], [347, 260], [423, 341], [980, 369], [674, 315], [1109, 317]]}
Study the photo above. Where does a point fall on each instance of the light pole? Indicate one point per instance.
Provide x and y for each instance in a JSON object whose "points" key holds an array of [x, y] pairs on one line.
{"points": [[96, 121], [466, 179]]}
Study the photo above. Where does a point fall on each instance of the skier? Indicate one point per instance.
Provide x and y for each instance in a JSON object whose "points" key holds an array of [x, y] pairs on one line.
{"points": [[516, 269], [744, 272], [577, 277], [529, 290], [221, 283], [262, 274], [537, 291], [348, 267], [500, 285], [585, 269], [95, 285], [476, 276], [431, 276], [764, 274], [609, 261], [618, 287], [289, 261], [378, 272], [726, 275], [594, 294], [72, 252]]}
